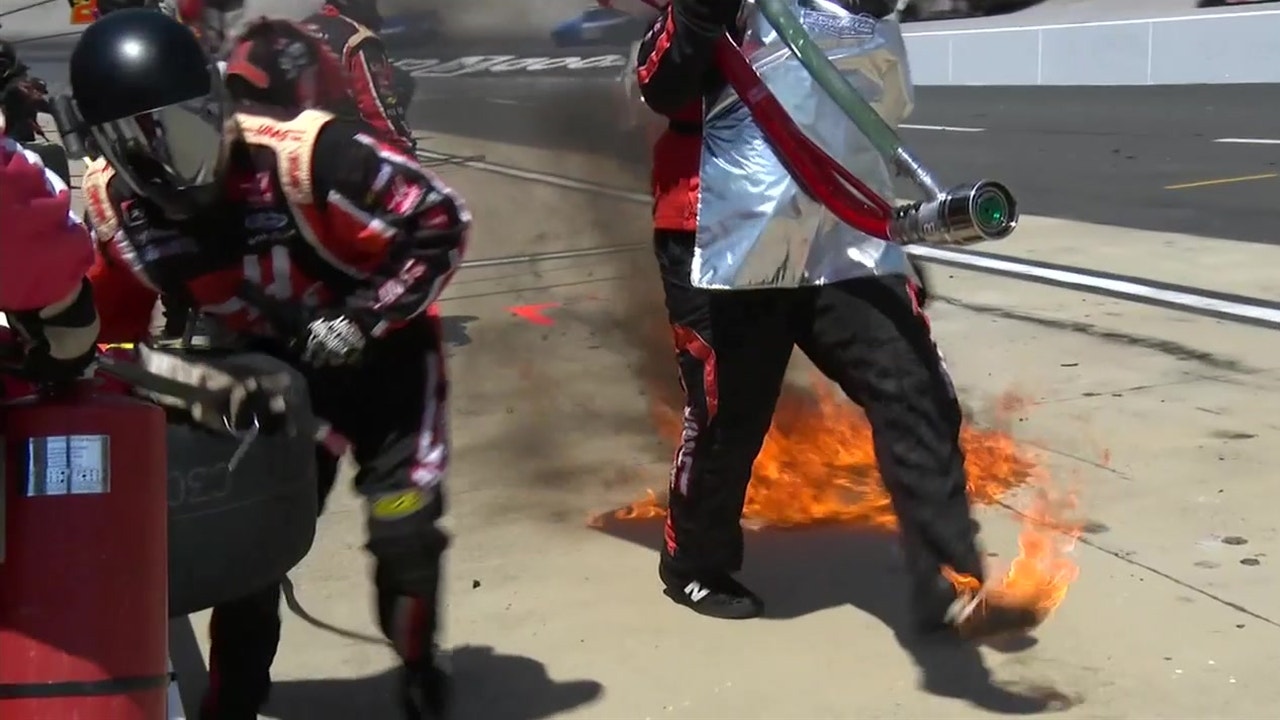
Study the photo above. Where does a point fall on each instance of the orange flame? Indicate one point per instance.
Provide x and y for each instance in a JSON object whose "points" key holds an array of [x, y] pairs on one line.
{"points": [[1039, 576], [818, 466]]}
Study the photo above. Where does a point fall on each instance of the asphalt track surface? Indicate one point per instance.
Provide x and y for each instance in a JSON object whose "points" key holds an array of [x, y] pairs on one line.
{"points": [[1140, 157]]}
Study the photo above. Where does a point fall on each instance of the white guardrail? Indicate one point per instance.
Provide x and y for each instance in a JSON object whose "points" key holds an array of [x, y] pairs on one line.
{"points": [[1227, 47]]}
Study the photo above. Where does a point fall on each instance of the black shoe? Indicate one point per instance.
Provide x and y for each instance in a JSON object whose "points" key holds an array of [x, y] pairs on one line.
{"points": [[989, 618], [941, 609], [426, 692], [716, 595], [237, 700], [212, 708]]}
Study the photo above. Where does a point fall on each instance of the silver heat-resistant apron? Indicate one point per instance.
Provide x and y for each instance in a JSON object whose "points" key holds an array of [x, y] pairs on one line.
{"points": [[756, 228]]}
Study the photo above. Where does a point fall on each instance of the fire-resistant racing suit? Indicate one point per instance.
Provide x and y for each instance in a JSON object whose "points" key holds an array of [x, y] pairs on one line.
{"points": [[328, 221], [287, 62], [284, 64], [365, 59], [45, 252], [867, 334], [22, 97]]}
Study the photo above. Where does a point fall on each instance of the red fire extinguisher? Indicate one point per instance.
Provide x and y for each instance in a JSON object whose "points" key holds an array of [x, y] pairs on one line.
{"points": [[83, 558]]}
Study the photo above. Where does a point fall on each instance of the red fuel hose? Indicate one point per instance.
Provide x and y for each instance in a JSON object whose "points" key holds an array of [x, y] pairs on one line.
{"points": [[821, 176]]}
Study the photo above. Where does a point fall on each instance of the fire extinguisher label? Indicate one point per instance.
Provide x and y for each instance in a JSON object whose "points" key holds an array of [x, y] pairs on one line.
{"points": [[68, 465]]}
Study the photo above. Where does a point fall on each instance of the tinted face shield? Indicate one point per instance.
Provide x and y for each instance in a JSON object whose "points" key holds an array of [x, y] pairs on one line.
{"points": [[173, 155]]}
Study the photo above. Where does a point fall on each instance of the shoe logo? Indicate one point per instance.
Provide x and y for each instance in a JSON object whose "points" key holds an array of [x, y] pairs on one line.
{"points": [[696, 591]]}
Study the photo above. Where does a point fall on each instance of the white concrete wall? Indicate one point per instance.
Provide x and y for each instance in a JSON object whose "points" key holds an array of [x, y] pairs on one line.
{"points": [[1227, 47]]}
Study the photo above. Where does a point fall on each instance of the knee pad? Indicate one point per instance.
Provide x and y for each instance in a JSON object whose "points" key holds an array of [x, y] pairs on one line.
{"points": [[406, 541]]}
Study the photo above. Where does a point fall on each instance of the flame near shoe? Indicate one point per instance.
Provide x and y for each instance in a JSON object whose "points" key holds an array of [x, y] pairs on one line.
{"points": [[818, 466]]}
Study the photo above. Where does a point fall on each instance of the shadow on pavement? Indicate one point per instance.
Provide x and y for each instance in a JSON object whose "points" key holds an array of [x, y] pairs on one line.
{"points": [[803, 571], [454, 328], [487, 684]]}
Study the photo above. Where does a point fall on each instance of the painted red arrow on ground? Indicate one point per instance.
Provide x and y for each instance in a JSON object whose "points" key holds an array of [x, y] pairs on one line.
{"points": [[534, 313]]}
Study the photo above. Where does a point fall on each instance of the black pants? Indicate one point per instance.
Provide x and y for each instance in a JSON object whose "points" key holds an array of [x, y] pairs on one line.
{"points": [[393, 410], [869, 336]]}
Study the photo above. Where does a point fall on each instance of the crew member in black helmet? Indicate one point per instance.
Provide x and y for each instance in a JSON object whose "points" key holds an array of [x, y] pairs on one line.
{"points": [[234, 207]]}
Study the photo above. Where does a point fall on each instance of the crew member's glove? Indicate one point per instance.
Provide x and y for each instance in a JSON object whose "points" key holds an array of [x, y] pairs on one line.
{"points": [[221, 399], [56, 343], [42, 368], [34, 363], [333, 340]]}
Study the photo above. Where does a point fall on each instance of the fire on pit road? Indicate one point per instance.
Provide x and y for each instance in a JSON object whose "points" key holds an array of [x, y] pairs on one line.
{"points": [[818, 466]]}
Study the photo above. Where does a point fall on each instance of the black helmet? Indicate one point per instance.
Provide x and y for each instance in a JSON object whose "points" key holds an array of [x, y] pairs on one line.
{"points": [[8, 59], [364, 12], [155, 105], [105, 7]]}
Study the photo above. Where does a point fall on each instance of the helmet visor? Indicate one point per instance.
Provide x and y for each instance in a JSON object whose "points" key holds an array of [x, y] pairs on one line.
{"points": [[168, 152]]}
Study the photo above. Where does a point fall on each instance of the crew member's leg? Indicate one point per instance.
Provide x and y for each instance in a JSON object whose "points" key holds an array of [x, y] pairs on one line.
{"points": [[243, 636], [245, 633], [869, 336], [401, 443], [732, 348]]}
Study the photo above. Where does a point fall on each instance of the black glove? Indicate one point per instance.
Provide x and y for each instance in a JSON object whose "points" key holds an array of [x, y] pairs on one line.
{"points": [[72, 325], [333, 340], [41, 368]]}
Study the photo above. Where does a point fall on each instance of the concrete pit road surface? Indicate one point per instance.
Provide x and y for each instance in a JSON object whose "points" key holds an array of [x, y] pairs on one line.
{"points": [[1132, 314]]}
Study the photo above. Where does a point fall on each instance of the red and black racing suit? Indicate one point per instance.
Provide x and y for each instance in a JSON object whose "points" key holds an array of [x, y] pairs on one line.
{"points": [[866, 334], [372, 75], [22, 98], [376, 239], [277, 62]]}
